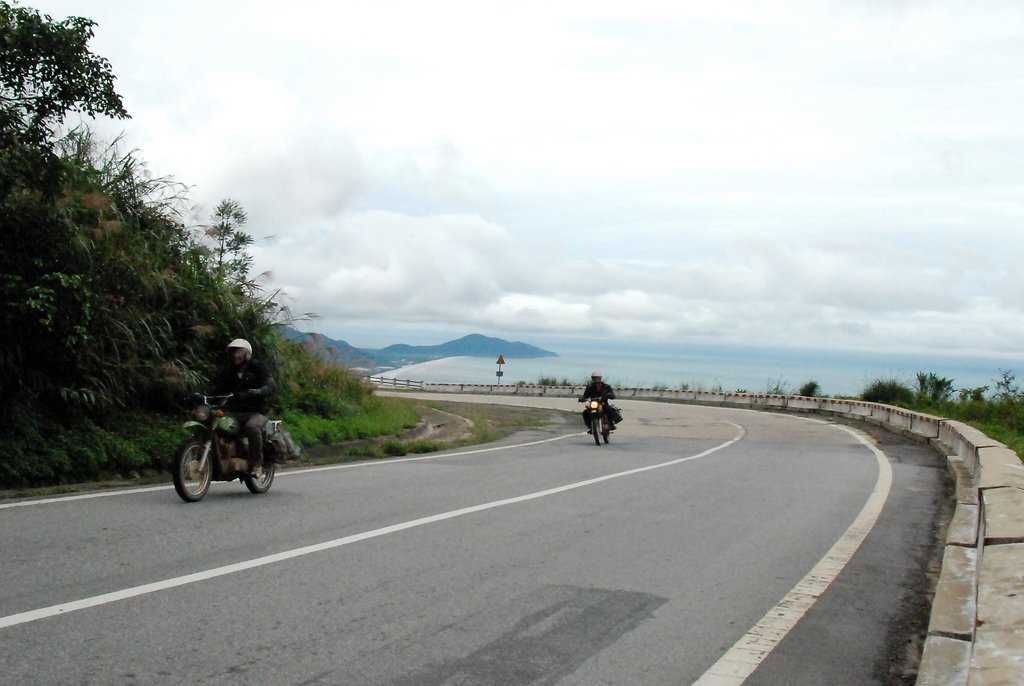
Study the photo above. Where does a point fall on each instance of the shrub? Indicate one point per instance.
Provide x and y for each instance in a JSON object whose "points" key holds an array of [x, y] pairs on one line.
{"points": [[393, 448], [891, 391], [810, 389], [554, 381], [933, 388], [424, 446]]}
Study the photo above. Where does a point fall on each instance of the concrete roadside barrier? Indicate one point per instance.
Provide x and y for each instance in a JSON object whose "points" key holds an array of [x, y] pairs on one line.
{"points": [[738, 399], [1000, 467], [837, 406], [799, 402], [709, 398], [954, 607], [925, 425], [901, 420], [859, 409]]}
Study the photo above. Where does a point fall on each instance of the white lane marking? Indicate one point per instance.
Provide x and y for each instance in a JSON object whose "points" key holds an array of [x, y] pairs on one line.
{"points": [[431, 457], [86, 496], [740, 661], [105, 598], [290, 472]]}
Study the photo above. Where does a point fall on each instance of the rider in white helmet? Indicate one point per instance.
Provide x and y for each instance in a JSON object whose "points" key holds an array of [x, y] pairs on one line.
{"points": [[252, 385], [599, 390]]}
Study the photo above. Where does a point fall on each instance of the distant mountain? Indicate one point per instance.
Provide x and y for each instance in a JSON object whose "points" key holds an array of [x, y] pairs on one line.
{"points": [[331, 350], [473, 345]]}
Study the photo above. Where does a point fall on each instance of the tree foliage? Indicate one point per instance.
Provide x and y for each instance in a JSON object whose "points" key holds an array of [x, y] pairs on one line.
{"points": [[810, 389], [46, 72], [109, 298]]}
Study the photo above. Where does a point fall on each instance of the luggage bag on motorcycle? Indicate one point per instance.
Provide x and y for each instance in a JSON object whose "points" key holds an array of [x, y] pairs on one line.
{"points": [[614, 413], [282, 441]]}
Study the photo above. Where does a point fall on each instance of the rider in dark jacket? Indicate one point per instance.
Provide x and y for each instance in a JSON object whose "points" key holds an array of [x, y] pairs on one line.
{"points": [[598, 390], [252, 385]]}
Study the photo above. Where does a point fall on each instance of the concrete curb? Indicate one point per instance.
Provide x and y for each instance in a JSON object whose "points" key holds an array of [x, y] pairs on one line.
{"points": [[976, 632]]}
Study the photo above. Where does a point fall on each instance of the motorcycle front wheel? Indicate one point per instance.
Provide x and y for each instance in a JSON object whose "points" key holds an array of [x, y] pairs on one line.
{"points": [[192, 478], [595, 428], [606, 428], [261, 485]]}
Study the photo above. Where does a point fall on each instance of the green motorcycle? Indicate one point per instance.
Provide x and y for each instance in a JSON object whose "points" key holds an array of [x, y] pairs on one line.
{"points": [[217, 451]]}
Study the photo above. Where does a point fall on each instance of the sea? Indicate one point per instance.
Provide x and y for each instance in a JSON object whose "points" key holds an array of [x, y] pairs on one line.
{"points": [[705, 367]]}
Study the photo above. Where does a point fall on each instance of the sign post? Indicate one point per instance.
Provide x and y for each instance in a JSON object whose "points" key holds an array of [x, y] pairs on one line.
{"points": [[499, 373]]}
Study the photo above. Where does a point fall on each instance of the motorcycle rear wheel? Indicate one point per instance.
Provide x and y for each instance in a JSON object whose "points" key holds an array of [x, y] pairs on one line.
{"points": [[261, 485], [606, 428], [190, 481]]}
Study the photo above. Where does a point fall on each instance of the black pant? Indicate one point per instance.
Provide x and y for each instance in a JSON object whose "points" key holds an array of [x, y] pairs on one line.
{"points": [[589, 416], [252, 424]]}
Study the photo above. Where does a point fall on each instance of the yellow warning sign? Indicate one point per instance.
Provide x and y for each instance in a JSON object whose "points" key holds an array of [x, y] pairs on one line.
{"points": [[501, 359]]}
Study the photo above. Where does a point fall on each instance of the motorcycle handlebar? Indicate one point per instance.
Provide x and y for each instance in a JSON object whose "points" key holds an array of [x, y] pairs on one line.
{"points": [[212, 399]]}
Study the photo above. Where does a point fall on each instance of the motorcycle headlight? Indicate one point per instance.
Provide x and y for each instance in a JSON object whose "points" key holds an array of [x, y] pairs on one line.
{"points": [[594, 405], [201, 413]]}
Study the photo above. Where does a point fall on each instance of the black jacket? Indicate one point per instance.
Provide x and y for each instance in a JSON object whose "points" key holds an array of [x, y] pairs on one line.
{"points": [[599, 389], [252, 380]]}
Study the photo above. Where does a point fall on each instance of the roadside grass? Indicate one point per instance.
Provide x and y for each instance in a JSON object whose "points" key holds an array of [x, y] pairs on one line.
{"points": [[1014, 440], [379, 417], [489, 423], [494, 422]]}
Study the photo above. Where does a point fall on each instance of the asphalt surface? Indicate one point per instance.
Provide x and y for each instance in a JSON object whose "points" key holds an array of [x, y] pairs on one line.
{"points": [[646, 578]]}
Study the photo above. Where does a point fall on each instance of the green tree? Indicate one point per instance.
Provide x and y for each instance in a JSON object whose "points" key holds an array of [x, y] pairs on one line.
{"points": [[810, 389], [46, 73], [230, 242], [933, 388]]}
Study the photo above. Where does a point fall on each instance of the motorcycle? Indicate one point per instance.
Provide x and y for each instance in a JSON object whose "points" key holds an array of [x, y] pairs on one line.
{"points": [[218, 452], [600, 422]]}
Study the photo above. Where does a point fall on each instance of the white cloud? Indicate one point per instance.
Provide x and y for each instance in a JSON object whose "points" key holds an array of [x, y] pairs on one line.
{"points": [[842, 172]]}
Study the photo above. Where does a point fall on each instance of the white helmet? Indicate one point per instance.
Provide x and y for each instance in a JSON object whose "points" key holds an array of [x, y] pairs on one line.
{"points": [[595, 374], [243, 344]]}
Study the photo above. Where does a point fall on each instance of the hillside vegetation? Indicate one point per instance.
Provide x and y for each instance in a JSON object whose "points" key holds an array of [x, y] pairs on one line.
{"points": [[114, 308]]}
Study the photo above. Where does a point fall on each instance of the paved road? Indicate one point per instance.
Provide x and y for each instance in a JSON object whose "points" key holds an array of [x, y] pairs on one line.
{"points": [[518, 566]]}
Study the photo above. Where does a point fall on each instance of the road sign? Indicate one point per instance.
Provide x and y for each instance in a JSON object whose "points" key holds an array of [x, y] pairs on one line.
{"points": [[499, 374], [501, 359]]}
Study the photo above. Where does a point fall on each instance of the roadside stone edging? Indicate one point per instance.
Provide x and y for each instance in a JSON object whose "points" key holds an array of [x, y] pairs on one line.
{"points": [[976, 632]]}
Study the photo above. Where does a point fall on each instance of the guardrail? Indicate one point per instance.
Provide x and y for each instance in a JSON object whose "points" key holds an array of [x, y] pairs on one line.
{"points": [[976, 630], [395, 383]]}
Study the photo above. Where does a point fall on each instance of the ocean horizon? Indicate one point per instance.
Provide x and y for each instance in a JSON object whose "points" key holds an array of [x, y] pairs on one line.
{"points": [[705, 367]]}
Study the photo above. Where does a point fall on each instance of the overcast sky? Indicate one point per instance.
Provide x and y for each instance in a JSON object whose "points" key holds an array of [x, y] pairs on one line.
{"points": [[819, 174]]}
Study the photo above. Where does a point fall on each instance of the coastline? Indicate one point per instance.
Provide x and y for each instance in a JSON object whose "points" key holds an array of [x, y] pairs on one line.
{"points": [[730, 370]]}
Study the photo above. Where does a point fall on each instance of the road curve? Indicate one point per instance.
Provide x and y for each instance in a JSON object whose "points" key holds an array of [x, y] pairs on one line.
{"points": [[543, 562]]}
